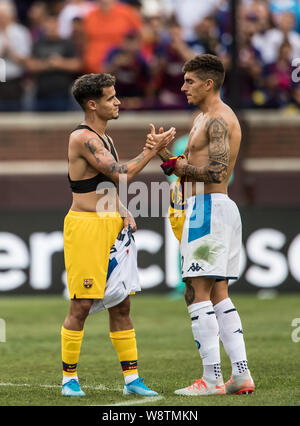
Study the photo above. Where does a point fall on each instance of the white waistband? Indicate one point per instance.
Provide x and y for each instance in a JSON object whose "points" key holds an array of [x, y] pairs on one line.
{"points": [[214, 196], [211, 198], [219, 196]]}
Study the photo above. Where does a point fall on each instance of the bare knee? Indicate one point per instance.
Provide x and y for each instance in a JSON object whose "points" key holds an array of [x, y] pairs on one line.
{"points": [[119, 316], [79, 310], [197, 289], [121, 310], [219, 291]]}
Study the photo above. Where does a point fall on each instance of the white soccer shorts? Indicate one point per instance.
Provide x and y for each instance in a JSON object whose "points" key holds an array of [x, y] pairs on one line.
{"points": [[212, 237]]}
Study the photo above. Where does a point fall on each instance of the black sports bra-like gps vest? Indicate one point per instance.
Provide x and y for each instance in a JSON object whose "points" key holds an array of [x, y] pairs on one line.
{"points": [[88, 185]]}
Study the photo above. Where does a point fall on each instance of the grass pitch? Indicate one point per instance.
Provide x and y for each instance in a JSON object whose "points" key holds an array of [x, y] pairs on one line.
{"points": [[30, 368]]}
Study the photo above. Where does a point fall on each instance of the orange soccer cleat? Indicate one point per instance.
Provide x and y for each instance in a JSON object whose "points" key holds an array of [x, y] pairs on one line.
{"points": [[203, 387], [240, 384]]}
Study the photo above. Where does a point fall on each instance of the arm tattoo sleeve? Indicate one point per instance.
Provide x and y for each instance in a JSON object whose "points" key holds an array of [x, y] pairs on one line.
{"points": [[105, 160], [218, 154], [137, 159], [104, 157], [97, 149], [90, 145]]}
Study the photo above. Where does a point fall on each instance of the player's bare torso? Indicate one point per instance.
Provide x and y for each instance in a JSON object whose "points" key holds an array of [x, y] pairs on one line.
{"points": [[225, 124], [79, 169]]}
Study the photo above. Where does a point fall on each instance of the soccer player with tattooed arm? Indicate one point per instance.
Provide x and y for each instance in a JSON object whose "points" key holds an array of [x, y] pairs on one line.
{"points": [[209, 228], [99, 249]]}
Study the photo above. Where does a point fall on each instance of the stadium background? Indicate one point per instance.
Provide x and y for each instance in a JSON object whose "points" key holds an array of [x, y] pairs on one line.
{"points": [[37, 116]]}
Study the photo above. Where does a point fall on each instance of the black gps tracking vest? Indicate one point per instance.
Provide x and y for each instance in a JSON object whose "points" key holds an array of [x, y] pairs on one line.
{"points": [[88, 185]]}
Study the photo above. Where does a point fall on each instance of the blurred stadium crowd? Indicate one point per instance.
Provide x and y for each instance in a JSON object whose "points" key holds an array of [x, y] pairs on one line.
{"points": [[45, 45]]}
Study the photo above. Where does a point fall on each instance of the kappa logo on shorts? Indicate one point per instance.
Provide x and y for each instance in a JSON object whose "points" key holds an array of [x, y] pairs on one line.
{"points": [[87, 283], [195, 267]]}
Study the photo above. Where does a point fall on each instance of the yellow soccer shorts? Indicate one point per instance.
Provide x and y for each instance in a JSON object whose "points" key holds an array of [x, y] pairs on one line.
{"points": [[88, 239]]}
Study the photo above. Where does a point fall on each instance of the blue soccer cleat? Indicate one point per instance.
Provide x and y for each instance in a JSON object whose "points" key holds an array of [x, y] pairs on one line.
{"points": [[72, 388], [137, 387]]}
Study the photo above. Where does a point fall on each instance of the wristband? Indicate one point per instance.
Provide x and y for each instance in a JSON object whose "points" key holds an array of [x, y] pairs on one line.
{"points": [[169, 165]]}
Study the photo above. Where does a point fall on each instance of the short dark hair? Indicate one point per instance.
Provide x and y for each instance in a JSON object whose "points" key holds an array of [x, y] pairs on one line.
{"points": [[207, 66], [90, 86]]}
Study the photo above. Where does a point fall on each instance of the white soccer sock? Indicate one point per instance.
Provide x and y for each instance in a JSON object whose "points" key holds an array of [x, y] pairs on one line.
{"points": [[130, 378], [206, 335], [231, 335], [212, 372], [66, 379], [239, 367]]}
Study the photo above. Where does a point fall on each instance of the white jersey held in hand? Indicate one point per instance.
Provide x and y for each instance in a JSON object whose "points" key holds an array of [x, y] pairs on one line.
{"points": [[122, 272]]}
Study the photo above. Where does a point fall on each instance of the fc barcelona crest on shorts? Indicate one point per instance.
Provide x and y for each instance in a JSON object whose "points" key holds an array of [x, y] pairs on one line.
{"points": [[88, 283]]}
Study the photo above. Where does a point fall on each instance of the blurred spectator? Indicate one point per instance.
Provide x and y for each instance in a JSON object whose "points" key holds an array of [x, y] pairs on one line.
{"points": [[168, 77], [130, 68], [36, 15], [73, 9], [189, 13], [153, 35], [278, 82], [269, 43], [148, 69], [261, 14], [22, 7], [206, 36], [53, 64], [223, 18], [77, 36], [15, 45], [105, 27], [250, 66], [281, 6]]}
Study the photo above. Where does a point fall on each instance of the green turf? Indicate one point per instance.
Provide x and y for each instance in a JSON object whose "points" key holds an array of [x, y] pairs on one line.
{"points": [[30, 372]]}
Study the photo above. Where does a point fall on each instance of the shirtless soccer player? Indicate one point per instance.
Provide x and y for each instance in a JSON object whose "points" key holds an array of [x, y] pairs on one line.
{"points": [[210, 250], [90, 234]]}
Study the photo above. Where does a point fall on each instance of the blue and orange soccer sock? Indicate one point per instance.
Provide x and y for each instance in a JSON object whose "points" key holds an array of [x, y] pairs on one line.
{"points": [[124, 342], [70, 348]]}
